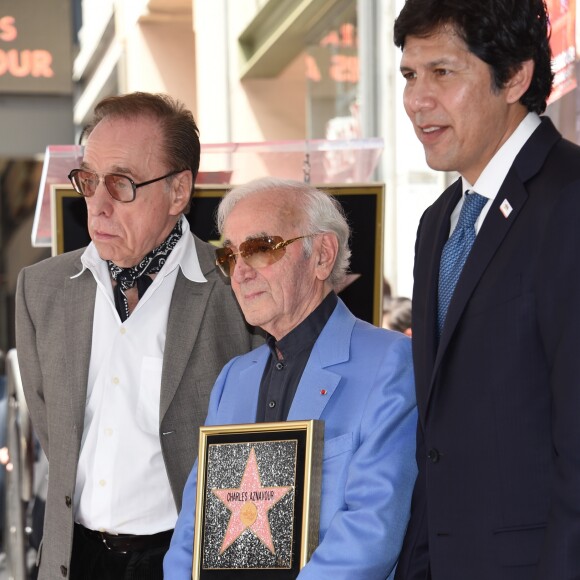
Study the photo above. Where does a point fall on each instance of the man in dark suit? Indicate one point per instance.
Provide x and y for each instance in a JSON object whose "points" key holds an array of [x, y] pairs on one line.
{"points": [[496, 301], [120, 343]]}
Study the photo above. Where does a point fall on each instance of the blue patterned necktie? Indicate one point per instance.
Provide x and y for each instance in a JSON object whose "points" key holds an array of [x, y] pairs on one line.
{"points": [[455, 252]]}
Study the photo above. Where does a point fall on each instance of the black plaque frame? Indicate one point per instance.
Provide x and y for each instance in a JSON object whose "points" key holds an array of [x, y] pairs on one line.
{"points": [[307, 485], [68, 220]]}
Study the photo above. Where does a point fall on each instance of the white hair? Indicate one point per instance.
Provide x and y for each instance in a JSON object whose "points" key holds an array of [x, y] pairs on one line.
{"points": [[322, 212]]}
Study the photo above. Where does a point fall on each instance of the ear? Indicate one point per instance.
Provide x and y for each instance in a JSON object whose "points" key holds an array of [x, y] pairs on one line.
{"points": [[325, 251], [520, 82], [180, 192]]}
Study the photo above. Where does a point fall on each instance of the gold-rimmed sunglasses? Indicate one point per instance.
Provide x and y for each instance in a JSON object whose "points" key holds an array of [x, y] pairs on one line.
{"points": [[256, 253]]}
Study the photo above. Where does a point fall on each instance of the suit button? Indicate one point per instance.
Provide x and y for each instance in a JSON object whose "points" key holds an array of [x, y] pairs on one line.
{"points": [[63, 570], [434, 455], [68, 501]]}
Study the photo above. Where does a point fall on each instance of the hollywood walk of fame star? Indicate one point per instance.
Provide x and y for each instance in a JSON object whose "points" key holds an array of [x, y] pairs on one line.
{"points": [[250, 504]]}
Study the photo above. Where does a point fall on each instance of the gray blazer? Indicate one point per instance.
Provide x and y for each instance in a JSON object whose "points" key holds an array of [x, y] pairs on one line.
{"points": [[54, 317]]}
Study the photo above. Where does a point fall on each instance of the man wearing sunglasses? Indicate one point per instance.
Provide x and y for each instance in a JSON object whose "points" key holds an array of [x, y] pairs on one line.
{"points": [[120, 343], [286, 251]]}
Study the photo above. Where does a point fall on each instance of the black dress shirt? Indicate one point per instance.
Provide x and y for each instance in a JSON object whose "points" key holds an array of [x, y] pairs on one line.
{"points": [[288, 358]]}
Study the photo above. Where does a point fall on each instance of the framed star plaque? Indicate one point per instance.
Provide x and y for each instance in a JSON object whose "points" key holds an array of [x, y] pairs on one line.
{"points": [[258, 500]]}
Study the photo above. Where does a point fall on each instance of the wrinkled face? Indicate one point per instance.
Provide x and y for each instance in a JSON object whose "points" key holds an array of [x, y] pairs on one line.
{"points": [[126, 232], [279, 296], [458, 115]]}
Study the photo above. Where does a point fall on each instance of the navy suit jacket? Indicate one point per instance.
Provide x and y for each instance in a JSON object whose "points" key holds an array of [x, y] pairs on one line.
{"points": [[498, 445], [359, 381]]}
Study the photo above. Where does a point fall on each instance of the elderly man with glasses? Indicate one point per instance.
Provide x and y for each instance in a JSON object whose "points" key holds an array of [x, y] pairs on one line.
{"points": [[120, 343], [286, 251]]}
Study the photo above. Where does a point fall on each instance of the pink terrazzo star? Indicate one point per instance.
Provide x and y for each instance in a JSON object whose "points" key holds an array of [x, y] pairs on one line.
{"points": [[249, 505]]}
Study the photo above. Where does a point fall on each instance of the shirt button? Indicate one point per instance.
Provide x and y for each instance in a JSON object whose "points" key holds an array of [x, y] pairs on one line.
{"points": [[123, 330], [115, 380], [102, 483], [272, 404], [279, 366], [434, 455], [108, 431], [64, 570], [68, 501]]}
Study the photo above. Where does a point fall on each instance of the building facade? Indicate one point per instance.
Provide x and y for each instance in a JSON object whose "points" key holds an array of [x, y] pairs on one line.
{"points": [[276, 72]]}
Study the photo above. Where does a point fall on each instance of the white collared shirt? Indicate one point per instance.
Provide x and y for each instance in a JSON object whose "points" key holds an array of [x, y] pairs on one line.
{"points": [[492, 177], [122, 485]]}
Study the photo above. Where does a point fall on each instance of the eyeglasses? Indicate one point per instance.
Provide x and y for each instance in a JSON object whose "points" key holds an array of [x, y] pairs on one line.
{"points": [[256, 253], [120, 187]]}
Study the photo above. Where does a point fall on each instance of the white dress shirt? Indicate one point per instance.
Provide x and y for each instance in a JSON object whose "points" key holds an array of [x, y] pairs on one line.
{"points": [[492, 177], [122, 485]]}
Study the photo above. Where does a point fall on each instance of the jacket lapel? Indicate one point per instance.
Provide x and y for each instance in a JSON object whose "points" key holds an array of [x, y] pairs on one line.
{"points": [[79, 296], [318, 384], [432, 234], [242, 407], [188, 304], [442, 235], [494, 229]]}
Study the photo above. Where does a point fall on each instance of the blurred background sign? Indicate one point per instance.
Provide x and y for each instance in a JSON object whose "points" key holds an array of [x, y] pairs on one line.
{"points": [[33, 56], [563, 42]]}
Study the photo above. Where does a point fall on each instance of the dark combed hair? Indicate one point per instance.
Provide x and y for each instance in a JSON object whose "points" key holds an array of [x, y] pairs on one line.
{"points": [[181, 135], [502, 33]]}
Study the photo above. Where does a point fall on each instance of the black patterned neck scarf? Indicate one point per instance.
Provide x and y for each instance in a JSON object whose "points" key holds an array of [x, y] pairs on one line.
{"points": [[151, 264]]}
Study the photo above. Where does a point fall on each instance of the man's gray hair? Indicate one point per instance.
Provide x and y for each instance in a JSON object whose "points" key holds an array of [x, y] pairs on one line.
{"points": [[322, 212]]}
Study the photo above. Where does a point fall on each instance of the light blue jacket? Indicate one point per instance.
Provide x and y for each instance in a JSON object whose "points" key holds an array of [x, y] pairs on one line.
{"points": [[359, 381]]}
